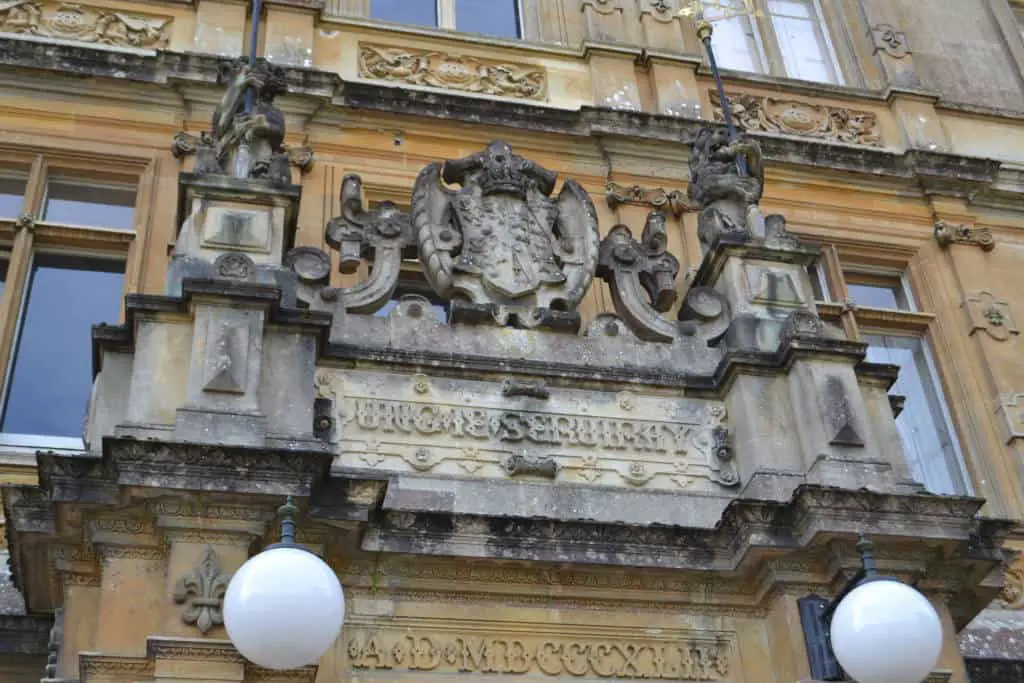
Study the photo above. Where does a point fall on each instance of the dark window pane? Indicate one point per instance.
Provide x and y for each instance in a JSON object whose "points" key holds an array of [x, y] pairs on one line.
{"points": [[3, 273], [12, 192], [420, 12], [492, 17], [52, 373], [98, 206]]}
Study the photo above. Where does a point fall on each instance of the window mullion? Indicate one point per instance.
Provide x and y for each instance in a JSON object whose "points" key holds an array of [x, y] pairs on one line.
{"points": [[776, 66], [446, 14], [35, 187]]}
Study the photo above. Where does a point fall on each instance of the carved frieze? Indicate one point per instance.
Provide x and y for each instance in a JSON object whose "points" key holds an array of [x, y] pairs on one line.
{"points": [[84, 23], [202, 591], [452, 72], [575, 435], [767, 114], [688, 658], [947, 234], [671, 201], [990, 314], [890, 40]]}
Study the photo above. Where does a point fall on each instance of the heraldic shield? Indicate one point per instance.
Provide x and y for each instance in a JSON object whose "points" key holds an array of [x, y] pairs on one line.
{"points": [[501, 239]]}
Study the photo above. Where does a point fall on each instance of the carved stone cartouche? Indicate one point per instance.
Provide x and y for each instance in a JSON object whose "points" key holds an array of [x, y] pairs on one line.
{"points": [[501, 241], [246, 144], [723, 197]]}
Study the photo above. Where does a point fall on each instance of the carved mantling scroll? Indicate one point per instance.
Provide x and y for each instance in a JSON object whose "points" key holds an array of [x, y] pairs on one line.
{"points": [[83, 23], [501, 242], [765, 114], [641, 276]]}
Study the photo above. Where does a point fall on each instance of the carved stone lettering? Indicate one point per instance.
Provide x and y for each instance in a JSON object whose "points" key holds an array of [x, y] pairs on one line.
{"points": [[452, 72], [697, 659]]}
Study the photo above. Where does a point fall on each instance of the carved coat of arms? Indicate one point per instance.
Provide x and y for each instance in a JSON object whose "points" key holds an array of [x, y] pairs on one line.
{"points": [[501, 238]]}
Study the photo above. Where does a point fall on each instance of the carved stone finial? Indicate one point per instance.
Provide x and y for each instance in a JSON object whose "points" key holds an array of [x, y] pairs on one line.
{"points": [[501, 241], [202, 593], [947, 234], [716, 187]]}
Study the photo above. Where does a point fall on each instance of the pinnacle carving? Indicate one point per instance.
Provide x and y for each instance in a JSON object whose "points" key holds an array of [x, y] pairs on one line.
{"points": [[202, 593]]}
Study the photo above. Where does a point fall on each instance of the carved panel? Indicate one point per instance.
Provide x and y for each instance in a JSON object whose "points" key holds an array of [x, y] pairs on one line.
{"points": [[766, 114], [990, 314], [688, 658], [237, 229], [452, 72], [85, 24], [465, 427], [947, 234], [672, 201], [202, 591], [772, 286]]}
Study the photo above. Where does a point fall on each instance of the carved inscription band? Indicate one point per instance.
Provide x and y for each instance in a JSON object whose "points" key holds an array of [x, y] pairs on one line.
{"points": [[522, 426], [676, 661]]}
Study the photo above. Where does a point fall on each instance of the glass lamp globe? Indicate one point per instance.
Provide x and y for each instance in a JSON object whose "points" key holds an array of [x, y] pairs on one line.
{"points": [[284, 608], [884, 631]]}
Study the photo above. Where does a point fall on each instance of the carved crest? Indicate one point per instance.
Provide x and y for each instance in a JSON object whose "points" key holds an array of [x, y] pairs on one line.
{"points": [[501, 238]]}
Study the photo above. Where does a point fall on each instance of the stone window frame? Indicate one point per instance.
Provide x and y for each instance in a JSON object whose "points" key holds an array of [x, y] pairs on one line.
{"points": [[26, 235], [842, 264]]}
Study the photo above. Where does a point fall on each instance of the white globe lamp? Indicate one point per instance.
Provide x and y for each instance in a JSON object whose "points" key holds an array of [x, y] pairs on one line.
{"points": [[284, 607], [884, 631]]}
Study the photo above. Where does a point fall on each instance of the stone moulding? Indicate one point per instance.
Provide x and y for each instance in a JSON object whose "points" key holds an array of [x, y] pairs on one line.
{"points": [[452, 72], [83, 23], [786, 116]]}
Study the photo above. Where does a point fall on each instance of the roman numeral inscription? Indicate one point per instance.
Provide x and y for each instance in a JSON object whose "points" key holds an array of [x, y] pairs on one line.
{"points": [[696, 660]]}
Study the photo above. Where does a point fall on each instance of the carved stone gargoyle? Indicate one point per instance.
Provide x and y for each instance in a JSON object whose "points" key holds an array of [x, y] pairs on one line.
{"points": [[501, 244], [727, 201], [383, 234], [247, 144], [641, 276]]}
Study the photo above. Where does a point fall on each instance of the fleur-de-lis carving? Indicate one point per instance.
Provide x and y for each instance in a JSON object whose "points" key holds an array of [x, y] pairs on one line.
{"points": [[202, 593]]}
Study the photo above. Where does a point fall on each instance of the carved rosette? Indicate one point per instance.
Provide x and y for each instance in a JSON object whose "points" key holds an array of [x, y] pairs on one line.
{"points": [[452, 72], [767, 114]]}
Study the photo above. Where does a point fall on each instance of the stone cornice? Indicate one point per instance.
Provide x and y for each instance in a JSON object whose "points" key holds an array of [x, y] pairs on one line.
{"points": [[200, 70]]}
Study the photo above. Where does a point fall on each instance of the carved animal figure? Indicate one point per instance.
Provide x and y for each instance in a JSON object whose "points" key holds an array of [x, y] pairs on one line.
{"points": [[724, 197]]}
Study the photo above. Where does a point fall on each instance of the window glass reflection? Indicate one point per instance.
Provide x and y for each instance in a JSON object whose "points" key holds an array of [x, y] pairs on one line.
{"points": [[874, 296], [12, 194], [735, 39], [98, 206], [927, 439], [52, 371], [806, 52], [490, 17], [418, 12]]}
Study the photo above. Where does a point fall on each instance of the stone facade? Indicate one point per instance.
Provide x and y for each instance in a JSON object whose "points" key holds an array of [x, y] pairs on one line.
{"points": [[565, 382]]}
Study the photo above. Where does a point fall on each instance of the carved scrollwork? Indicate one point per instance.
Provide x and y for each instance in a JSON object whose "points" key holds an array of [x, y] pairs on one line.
{"points": [[452, 72], [536, 465], [82, 23], [501, 243], [657, 198], [947, 234], [766, 114], [202, 592]]}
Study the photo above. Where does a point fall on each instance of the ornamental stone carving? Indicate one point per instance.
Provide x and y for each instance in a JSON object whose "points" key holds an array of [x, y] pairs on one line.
{"points": [[889, 40], [1012, 408], [452, 72], [84, 23], [202, 593], [947, 234], [690, 658], [726, 200], [990, 314], [658, 198], [664, 11], [501, 241], [766, 114], [1012, 596]]}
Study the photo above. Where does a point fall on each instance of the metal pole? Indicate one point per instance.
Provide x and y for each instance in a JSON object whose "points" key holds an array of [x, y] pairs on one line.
{"points": [[254, 30], [704, 31]]}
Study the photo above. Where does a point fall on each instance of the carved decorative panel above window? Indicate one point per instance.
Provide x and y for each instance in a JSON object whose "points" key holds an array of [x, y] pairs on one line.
{"points": [[766, 114], [85, 24]]}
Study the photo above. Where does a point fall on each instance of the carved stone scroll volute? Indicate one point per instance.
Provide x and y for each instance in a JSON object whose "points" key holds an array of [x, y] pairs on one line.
{"points": [[501, 243], [641, 276], [382, 234]]}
